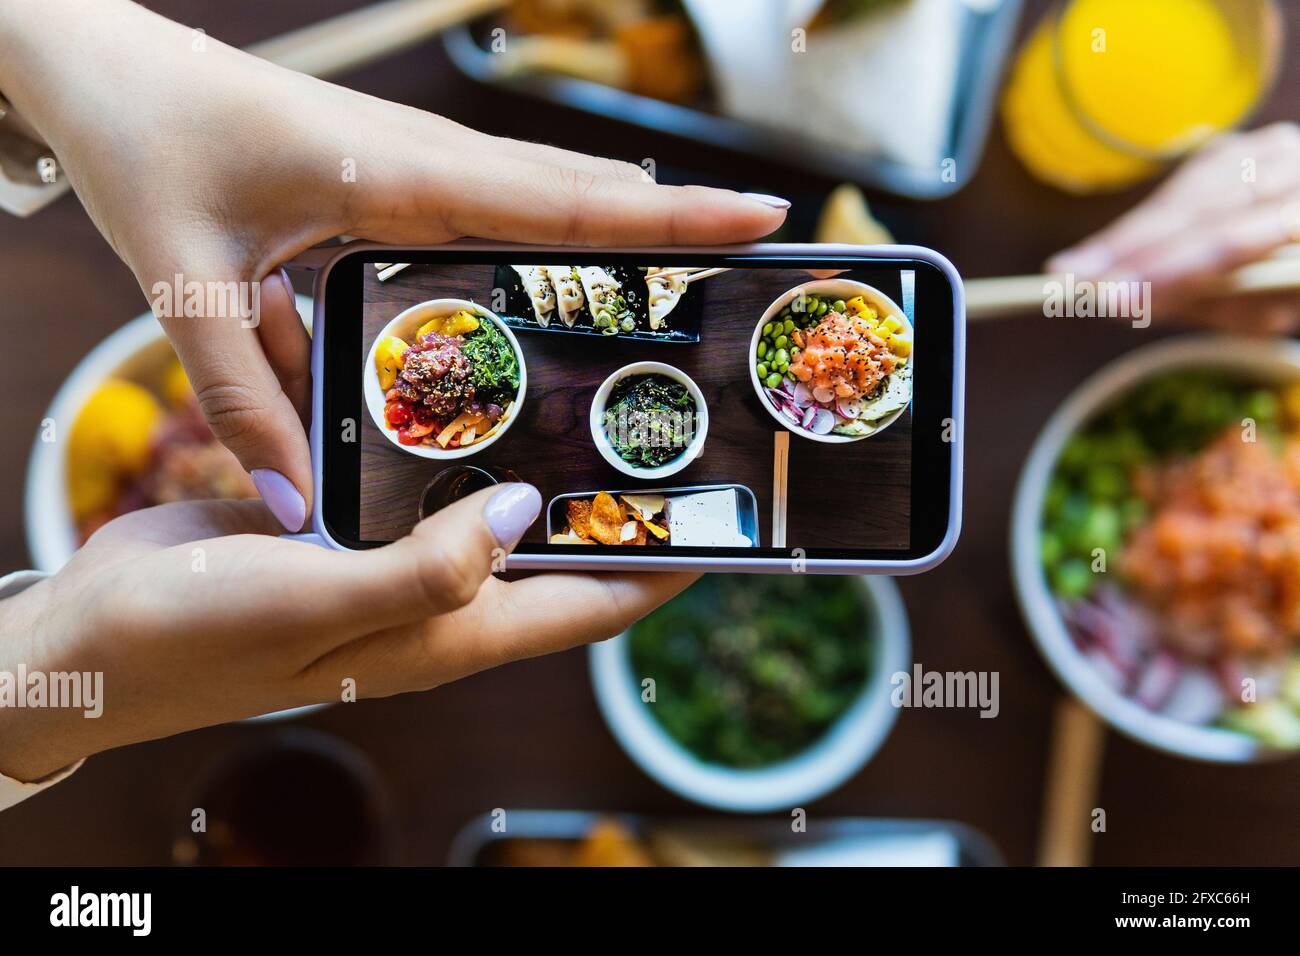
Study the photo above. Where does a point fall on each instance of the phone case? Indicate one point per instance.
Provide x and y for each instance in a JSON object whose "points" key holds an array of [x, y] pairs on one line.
{"points": [[323, 260]]}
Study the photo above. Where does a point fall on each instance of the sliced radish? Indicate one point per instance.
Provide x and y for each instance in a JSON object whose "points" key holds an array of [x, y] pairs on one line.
{"points": [[822, 422], [802, 397], [809, 414], [790, 412], [823, 395], [787, 386], [777, 396], [847, 409]]}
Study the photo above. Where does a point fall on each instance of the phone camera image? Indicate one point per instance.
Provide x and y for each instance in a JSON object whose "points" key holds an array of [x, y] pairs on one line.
{"points": [[741, 408]]}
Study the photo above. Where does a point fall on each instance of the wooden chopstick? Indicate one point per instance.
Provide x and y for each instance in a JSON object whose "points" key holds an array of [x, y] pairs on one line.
{"points": [[780, 484], [1073, 776], [691, 273], [370, 33], [1017, 295], [387, 273]]}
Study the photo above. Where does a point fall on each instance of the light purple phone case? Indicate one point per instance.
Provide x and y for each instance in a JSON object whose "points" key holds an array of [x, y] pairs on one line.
{"points": [[324, 261]]}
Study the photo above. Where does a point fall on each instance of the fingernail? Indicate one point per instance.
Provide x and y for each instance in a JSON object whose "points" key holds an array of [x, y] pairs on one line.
{"points": [[284, 500], [511, 510], [776, 202]]}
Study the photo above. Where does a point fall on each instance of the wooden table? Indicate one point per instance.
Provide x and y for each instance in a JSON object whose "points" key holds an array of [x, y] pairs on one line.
{"points": [[551, 446], [529, 735]]}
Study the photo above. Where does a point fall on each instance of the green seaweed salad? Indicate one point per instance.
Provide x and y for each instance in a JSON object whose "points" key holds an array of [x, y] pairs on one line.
{"points": [[750, 670], [649, 419], [1091, 501], [495, 366]]}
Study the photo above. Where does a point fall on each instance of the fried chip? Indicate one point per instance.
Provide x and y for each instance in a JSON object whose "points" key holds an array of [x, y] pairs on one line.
{"points": [[580, 517], [569, 537], [606, 519]]}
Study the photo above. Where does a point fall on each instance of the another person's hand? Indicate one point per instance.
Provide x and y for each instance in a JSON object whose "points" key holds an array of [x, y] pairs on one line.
{"points": [[195, 613], [198, 160], [1233, 203]]}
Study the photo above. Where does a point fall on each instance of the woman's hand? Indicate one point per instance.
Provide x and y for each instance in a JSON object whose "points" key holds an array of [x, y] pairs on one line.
{"points": [[196, 614], [1232, 203], [195, 159]]}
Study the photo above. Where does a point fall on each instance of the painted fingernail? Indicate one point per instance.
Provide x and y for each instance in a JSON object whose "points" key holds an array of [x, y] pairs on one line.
{"points": [[776, 202], [280, 495], [510, 511]]}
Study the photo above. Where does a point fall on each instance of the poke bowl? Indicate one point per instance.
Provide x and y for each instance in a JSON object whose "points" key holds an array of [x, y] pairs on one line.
{"points": [[1155, 546], [648, 420], [445, 379], [831, 360], [753, 693]]}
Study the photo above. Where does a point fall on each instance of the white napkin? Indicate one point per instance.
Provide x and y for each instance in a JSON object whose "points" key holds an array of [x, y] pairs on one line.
{"points": [[914, 849], [884, 83]]}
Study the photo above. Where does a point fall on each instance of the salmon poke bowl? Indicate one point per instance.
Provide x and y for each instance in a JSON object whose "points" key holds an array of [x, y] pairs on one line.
{"points": [[1156, 546], [444, 379], [831, 360]]}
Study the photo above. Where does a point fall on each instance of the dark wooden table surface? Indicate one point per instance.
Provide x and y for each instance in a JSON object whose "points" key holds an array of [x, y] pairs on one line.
{"points": [[529, 735], [551, 446]]}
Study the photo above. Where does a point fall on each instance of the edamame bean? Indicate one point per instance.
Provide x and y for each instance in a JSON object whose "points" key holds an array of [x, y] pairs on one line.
{"points": [[762, 348], [839, 305], [781, 341], [774, 380], [767, 329], [787, 326], [782, 356], [762, 370]]}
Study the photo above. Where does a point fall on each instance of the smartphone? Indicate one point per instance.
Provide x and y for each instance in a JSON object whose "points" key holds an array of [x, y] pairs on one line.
{"points": [[759, 408]]}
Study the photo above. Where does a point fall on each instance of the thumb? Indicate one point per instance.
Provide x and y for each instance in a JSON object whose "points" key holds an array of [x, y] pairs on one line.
{"points": [[437, 568], [248, 372]]}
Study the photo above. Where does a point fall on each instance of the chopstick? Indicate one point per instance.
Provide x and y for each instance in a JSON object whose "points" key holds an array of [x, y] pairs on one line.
{"points": [[780, 483], [691, 273], [1008, 296], [353, 39], [388, 270], [1073, 775]]}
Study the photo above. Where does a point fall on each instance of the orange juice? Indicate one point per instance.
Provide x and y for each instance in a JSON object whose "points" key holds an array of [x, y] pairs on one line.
{"points": [[1104, 90]]}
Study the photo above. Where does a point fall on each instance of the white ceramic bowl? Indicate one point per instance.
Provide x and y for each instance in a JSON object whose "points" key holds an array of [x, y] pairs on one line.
{"points": [[137, 351], [841, 753], [404, 326], [1269, 361], [597, 421], [825, 288]]}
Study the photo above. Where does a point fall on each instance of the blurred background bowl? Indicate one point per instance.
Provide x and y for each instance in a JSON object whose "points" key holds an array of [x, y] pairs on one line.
{"points": [[1269, 362], [840, 753]]}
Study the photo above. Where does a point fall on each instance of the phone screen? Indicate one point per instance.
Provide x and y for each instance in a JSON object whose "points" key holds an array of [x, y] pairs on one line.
{"points": [[710, 406]]}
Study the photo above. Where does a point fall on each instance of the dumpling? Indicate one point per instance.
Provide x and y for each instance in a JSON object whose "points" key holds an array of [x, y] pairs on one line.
{"points": [[568, 292], [540, 292], [605, 299], [665, 292]]}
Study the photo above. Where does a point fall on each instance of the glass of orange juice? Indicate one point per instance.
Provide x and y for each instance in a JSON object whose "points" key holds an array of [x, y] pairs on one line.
{"points": [[1106, 91]]}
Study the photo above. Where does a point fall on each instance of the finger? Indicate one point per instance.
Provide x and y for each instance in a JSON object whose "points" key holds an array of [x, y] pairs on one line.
{"points": [[1188, 266], [1234, 173], [437, 568], [285, 341], [246, 407], [509, 622], [555, 156], [553, 612], [503, 197]]}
